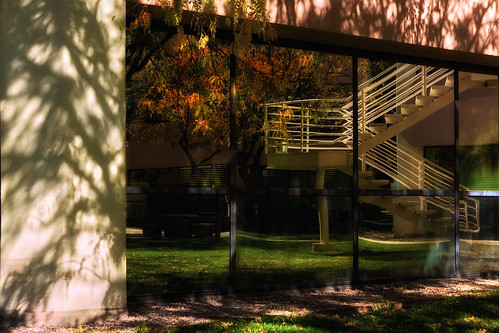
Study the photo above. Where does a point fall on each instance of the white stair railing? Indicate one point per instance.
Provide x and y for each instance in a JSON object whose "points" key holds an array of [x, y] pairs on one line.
{"points": [[413, 171], [305, 125], [328, 122]]}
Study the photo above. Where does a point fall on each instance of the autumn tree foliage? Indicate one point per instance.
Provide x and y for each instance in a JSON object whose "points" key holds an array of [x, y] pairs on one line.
{"points": [[178, 83], [274, 74], [180, 97], [182, 94]]}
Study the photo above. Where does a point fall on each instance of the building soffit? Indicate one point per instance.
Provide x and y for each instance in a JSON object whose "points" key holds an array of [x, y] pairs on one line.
{"points": [[464, 34]]}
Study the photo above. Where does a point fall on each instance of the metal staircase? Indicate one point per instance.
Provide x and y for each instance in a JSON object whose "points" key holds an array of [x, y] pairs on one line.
{"points": [[389, 103]]}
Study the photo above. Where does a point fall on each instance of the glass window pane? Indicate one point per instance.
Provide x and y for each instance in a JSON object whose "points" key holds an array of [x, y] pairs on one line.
{"points": [[478, 132], [294, 110], [177, 147], [280, 245], [479, 246], [406, 236], [295, 115], [405, 126]]}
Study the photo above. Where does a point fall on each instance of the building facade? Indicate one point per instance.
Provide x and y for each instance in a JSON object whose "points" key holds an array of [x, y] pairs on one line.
{"points": [[63, 151]]}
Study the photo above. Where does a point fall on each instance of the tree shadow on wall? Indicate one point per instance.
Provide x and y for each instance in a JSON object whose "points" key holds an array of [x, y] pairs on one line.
{"points": [[63, 223], [426, 23]]}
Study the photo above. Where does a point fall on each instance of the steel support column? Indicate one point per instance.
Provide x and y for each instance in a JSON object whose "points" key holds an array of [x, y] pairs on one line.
{"points": [[456, 172], [233, 171], [355, 166]]}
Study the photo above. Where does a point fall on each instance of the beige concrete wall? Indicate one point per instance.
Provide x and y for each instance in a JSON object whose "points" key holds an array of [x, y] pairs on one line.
{"points": [[478, 118], [157, 156], [62, 160], [463, 25]]}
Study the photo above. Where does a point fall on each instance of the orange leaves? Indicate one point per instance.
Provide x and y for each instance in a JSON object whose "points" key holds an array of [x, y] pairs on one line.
{"points": [[193, 100], [146, 103], [280, 126], [304, 60], [143, 20]]}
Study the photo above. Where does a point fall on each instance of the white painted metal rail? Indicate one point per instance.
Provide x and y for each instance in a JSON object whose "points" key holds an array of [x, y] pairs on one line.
{"points": [[414, 172], [326, 124]]}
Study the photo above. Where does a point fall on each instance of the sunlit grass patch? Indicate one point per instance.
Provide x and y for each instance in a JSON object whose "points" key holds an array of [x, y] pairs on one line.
{"points": [[476, 313]]}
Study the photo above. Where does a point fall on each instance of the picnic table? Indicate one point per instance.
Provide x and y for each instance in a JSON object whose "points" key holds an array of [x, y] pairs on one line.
{"points": [[181, 225]]}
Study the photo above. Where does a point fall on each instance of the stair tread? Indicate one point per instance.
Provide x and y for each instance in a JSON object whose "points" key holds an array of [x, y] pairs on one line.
{"points": [[380, 182], [364, 136], [425, 211], [424, 100], [438, 90], [409, 108], [366, 174], [377, 127], [393, 118]]}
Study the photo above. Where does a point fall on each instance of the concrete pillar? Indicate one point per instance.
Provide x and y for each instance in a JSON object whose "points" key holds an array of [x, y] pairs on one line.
{"points": [[323, 213], [62, 160]]}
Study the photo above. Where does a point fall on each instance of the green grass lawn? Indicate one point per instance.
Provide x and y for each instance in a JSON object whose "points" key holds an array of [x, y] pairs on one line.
{"points": [[475, 313], [183, 265], [290, 261], [164, 266]]}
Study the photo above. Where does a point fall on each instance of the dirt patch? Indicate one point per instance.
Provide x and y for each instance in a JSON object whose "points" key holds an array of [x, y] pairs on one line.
{"points": [[230, 307]]}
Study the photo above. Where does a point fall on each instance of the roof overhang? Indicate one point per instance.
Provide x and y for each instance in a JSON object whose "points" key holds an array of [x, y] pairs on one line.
{"points": [[473, 50]]}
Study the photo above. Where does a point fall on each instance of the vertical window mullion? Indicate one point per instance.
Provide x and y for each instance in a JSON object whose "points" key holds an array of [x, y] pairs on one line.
{"points": [[456, 172], [233, 171], [355, 166]]}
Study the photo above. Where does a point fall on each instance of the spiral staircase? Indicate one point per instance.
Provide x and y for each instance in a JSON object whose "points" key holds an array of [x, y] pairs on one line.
{"points": [[317, 134]]}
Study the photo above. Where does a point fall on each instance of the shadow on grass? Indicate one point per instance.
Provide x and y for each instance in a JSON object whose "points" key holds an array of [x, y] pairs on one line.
{"points": [[476, 313], [179, 265]]}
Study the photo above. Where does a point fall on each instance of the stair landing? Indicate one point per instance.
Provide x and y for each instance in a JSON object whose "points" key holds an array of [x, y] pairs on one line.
{"points": [[310, 160]]}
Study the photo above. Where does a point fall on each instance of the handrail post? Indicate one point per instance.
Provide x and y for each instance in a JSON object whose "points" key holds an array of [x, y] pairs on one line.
{"points": [[308, 129], [266, 129], [284, 127], [467, 214], [421, 170], [363, 97], [301, 128], [464, 217], [423, 74], [363, 164]]}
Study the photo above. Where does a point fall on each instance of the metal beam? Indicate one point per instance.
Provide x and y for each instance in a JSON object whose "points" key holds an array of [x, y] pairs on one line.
{"points": [[233, 171]]}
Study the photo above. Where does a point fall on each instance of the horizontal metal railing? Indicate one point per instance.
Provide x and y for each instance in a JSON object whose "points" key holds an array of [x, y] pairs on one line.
{"points": [[413, 171], [305, 125], [327, 124]]}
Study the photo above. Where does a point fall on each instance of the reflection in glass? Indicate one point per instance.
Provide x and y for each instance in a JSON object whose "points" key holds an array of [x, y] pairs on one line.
{"points": [[276, 237], [479, 248], [479, 170], [479, 132], [402, 110], [303, 102], [405, 237], [177, 146], [181, 244]]}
